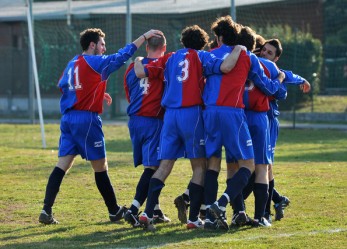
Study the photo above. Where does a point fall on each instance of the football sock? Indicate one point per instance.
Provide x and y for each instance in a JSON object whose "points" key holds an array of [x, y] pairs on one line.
{"points": [[260, 198], [238, 203], [52, 188], [234, 186], [106, 190], [268, 203], [186, 195], [196, 197], [249, 187], [211, 190], [276, 197], [142, 189], [155, 187], [157, 210]]}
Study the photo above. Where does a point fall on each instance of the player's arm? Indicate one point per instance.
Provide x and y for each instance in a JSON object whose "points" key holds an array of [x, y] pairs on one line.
{"points": [[141, 39], [231, 60], [139, 68], [108, 98], [258, 76], [295, 79]]}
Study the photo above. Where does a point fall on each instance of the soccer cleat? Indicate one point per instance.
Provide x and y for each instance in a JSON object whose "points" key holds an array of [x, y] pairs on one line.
{"points": [[268, 216], [279, 208], [258, 223], [195, 224], [211, 225], [47, 219], [161, 218], [219, 215], [181, 208], [146, 222], [202, 214], [119, 215], [132, 219], [239, 219]]}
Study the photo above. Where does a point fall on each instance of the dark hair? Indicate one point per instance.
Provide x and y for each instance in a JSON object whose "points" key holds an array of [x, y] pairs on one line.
{"points": [[194, 37], [247, 38], [156, 42], [277, 44], [90, 35], [227, 28], [213, 44], [260, 41]]}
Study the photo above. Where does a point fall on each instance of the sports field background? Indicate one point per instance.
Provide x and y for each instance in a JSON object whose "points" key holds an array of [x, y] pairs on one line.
{"points": [[310, 169]]}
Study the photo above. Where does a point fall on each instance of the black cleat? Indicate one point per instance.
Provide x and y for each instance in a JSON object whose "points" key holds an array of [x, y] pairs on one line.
{"points": [[219, 215], [161, 218], [279, 208], [258, 223], [119, 215], [132, 219], [181, 208], [239, 219], [47, 219], [268, 216]]}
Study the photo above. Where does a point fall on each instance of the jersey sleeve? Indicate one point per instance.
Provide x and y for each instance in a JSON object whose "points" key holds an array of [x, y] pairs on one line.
{"points": [[292, 79], [281, 93], [210, 63], [257, 75], [128, 77]]}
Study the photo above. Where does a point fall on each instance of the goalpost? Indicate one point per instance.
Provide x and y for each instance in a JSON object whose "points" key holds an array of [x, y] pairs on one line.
{"points": [[34, 68]]}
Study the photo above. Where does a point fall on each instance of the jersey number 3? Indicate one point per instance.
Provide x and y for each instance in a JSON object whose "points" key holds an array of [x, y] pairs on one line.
{"points": [[77, 84], [184, 64]]}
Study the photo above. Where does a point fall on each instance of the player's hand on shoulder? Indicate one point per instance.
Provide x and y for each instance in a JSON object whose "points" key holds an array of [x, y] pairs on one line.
{"points": [[138, 59], [281, 76], [241, 47]]}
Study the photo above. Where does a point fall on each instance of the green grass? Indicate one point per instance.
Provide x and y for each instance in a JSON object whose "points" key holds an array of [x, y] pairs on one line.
{"points": [[310, 169], [326, 103]]}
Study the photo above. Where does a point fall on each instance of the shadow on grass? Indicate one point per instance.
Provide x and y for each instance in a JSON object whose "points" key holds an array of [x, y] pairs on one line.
{"points": [[120, 237]]}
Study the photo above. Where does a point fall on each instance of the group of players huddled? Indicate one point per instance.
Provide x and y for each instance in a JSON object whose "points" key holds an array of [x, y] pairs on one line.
{"points": [[189, 103]]}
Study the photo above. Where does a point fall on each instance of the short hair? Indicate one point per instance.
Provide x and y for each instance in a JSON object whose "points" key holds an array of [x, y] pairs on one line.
{"points": [[247, 38], [260, 41], [277, 44], [213, 44], [90, 35], [194, 37], [227, 28], [155, 43]]}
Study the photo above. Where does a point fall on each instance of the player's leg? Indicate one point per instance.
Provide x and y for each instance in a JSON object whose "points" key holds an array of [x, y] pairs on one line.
{"points": [[52, 188]]}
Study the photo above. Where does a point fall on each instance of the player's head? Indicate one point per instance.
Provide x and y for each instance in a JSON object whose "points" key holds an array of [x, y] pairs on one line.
{"points": [[213, 44], [247, 38], [156, 44], [272, 50], [92, 41], [194, 37], [226, 30]]}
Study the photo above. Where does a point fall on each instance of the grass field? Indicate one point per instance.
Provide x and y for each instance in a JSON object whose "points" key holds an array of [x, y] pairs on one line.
{"points": [[310, 169]]}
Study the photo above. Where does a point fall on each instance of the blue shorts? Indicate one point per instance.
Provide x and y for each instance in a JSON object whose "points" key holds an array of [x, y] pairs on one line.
{"points": [[258, 125], [274, 125], [227, 126], [81, 133], [182, 134], [145, 135]]}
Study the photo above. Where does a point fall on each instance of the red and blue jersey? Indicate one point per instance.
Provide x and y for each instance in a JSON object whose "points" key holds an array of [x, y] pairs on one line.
{"points": [[84, 80], [144, 95], [254, 99], [183, 73], [228, 89]]}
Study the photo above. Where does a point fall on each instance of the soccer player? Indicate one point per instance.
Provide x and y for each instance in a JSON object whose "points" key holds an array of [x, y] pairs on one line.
{"points": [[272, 50], [183, 132], [145, 123], [225, 120], [83, 85], [256, 107]]}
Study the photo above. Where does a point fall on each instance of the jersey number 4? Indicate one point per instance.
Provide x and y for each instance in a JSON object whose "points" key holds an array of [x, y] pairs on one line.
{"points": [[77, 84], [145, 85]]}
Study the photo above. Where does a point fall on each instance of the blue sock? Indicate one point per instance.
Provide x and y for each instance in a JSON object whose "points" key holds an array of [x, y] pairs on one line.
{"points": [[260, 195], [142, 189], [268, 203], [235, 186], [196, 193], [52, 188], [106, 190], [155, 187]]}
